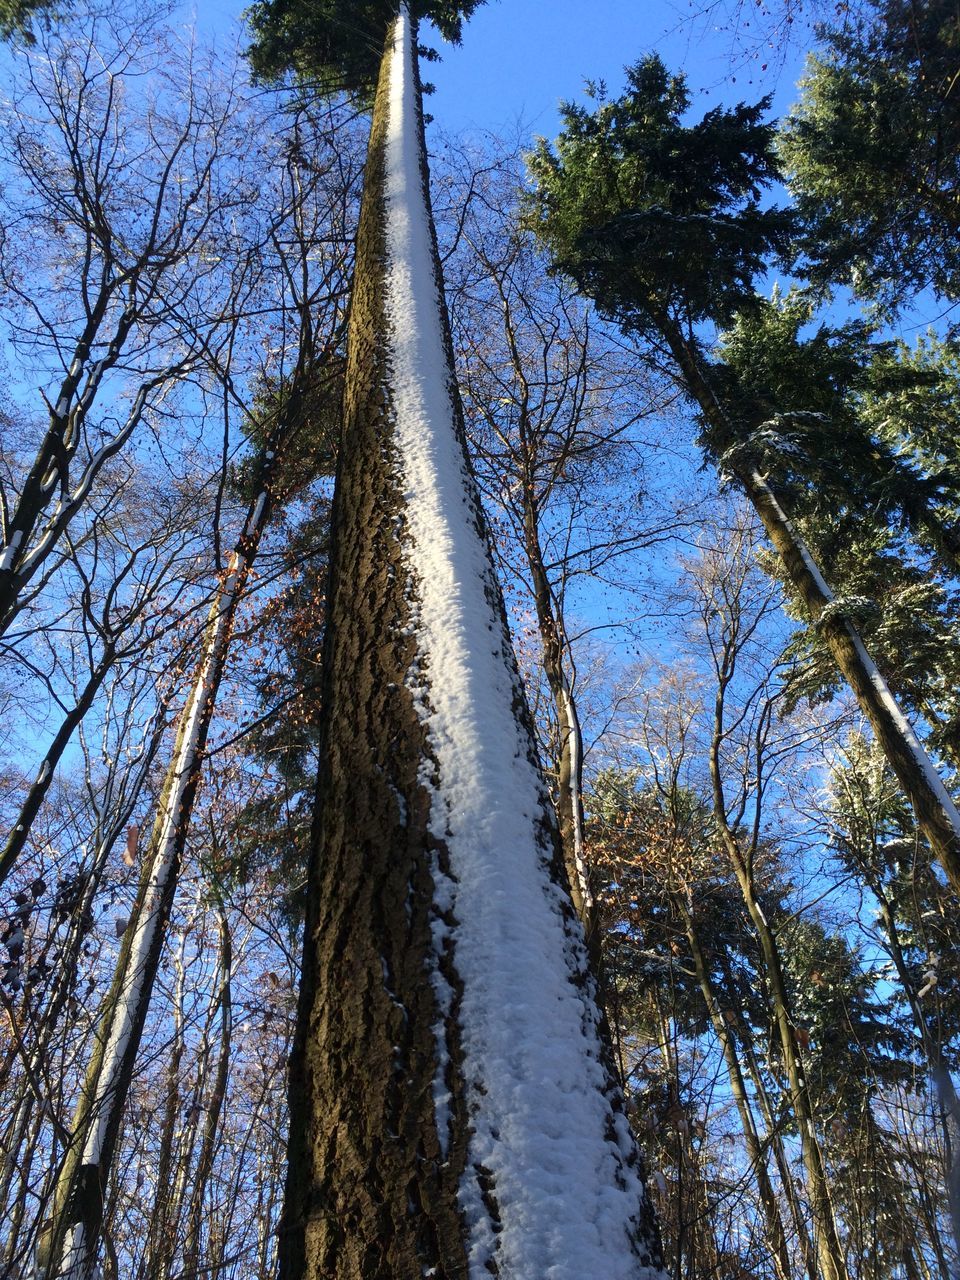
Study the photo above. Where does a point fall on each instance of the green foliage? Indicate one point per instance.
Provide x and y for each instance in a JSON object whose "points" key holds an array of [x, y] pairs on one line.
{"points": [[840, 425], [909, 620], [300, 421], [875, 836], [273, 829], [913, 407], [338, 44], [873, 150], [17, 17], [830, 411], [650, 216]]}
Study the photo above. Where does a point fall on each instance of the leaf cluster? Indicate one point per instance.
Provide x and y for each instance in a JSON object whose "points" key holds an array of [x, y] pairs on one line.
{"points": [[873, 153]]}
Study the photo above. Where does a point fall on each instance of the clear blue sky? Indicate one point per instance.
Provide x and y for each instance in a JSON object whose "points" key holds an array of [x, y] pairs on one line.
{"points": [[520, 57]]}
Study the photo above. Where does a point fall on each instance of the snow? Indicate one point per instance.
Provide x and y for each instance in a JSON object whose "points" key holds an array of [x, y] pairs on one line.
{"points": [[903, 726], [163, 867], [558, 1160], [9, 552], [256, 515], [573, 743], [811, 565]]}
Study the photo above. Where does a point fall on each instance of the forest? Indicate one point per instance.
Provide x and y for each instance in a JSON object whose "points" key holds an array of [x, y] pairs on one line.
{"points": [[479, 654]]}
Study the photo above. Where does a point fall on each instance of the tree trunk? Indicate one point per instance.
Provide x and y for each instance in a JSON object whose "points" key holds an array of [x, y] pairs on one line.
{"points": [[570, 764], [829, 1249], [826, 1236], [776, 1236], [191, 1248], [70, 1240], [937, 815], [774, 1139], [20, 832], [448, 1040]]}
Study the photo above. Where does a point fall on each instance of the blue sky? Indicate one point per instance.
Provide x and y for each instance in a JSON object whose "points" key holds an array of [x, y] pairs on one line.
{"points": [[520, 57]]}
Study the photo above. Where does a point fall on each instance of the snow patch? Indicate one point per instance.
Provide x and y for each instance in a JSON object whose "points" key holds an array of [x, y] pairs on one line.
{"points": [[9, 552]]}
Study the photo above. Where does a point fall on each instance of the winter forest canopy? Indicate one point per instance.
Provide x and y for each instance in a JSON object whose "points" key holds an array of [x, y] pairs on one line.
{"points": [[479, 650]]}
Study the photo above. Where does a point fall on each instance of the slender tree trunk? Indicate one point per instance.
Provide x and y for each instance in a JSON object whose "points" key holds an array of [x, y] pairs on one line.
{"points": [[20, 832], [826, 1236], [773, 1138], [829, 1249], [940, 1073], [570, 764], [23, 551], [191, 1247], [426, 1098], [71, 1237], [937, 815], [776, 1236], [163, 1217]]}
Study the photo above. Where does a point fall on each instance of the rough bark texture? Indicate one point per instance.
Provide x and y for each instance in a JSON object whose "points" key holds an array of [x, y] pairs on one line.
{"points": [[372, 1191], [369, 1193]]}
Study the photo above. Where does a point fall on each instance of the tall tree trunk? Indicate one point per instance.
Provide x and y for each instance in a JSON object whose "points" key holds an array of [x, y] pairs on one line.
{"points": [[448, 1042], [774, 1137], [940, 1073], [191, 1247], [570, 764], [826, 1236], [937, 815], [776, 1236], [69, 1244], [829, 1249]]}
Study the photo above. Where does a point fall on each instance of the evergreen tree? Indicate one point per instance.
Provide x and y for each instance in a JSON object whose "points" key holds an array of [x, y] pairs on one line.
{"points": [[873, 152], [18, 16], [661, 224]]}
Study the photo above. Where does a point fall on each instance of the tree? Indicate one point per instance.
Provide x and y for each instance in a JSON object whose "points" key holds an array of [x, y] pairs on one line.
{"points": [[873, 153], [17, 17], [552, 412], [661, 224], [109, 263], [444, 969]]}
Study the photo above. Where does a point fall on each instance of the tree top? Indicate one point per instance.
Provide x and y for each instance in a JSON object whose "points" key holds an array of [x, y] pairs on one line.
{"points": [[338, 43]]}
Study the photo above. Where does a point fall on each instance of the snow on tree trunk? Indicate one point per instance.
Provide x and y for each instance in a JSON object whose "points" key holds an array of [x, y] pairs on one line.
{"points": [[68, 1248], [453, 1108], [937, 815]]}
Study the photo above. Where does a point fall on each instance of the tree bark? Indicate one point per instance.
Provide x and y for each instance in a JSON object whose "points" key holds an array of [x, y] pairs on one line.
{"points": [[406, 1132]]}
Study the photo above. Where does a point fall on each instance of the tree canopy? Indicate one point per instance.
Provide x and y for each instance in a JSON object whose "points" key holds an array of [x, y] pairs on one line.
{"points": [[873, 153], [338, 44]]}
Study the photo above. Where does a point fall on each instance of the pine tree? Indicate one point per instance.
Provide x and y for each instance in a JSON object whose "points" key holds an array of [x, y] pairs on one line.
{"points": [[873, 153], [661, 224]]}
